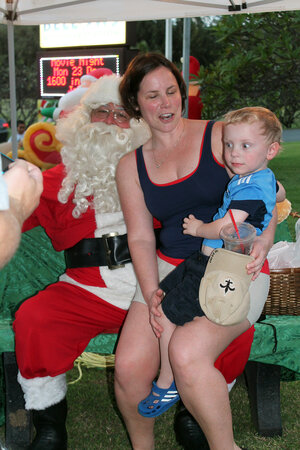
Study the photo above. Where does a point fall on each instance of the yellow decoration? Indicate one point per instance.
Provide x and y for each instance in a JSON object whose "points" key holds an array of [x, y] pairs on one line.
{"points": [[92, 360], [283, 210], [41, 146]]}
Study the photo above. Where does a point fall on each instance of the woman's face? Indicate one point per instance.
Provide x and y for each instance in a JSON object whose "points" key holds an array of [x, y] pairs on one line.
{"points": [[159, 99]]}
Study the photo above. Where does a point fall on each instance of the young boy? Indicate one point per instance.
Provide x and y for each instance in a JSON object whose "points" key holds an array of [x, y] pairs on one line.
{"points": [[252, 138]]}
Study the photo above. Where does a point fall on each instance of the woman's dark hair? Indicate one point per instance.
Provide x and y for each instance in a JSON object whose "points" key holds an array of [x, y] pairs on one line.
{"points": [[140, 66]]}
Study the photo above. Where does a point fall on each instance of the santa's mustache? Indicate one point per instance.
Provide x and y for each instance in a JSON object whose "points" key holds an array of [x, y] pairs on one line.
{"points": [[99, 130]]}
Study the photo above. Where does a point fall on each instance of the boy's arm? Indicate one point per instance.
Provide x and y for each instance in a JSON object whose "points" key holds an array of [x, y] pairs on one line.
{"points": [[211, 230]]}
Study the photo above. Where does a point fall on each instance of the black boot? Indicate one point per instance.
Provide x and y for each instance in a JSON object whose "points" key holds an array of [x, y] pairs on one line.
{"points": [[50, 426], [188, 432]]}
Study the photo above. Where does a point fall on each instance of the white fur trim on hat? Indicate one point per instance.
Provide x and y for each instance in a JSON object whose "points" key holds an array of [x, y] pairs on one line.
{"points": [[68, 101], [103, 91]]}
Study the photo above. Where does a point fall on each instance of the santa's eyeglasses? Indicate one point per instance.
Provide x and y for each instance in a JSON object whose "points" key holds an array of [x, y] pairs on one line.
{"points": [[119, 115]]}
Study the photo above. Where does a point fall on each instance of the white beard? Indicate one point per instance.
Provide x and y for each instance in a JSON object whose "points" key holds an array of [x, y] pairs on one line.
{"points": [[91, 154]]}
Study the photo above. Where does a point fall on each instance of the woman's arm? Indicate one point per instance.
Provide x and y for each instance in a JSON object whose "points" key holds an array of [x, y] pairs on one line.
{"points": [[280, 194], [141, 237], [261, 246]]}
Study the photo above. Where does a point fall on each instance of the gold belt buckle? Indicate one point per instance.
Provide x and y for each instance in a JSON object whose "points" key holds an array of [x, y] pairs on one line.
{"points": [[110, 265]]}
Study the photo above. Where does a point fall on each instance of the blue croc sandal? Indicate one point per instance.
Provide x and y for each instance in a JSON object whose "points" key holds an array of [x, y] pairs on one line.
{"points": [[158, 401]]}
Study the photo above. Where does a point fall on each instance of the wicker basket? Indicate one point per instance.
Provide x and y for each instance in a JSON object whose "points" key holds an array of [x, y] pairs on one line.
{"points": [[284, 293]]}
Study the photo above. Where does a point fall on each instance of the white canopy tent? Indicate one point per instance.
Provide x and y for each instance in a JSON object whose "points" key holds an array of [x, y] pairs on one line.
{"points": [[36, 12]]}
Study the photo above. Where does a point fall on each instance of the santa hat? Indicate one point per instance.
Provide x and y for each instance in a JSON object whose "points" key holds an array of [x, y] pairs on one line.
{"points": [[103, 91], [72, 99], [94, 75]]}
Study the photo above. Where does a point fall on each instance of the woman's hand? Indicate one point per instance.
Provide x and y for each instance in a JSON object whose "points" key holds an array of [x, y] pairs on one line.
{"points": [[259, 252], [154, 313]]}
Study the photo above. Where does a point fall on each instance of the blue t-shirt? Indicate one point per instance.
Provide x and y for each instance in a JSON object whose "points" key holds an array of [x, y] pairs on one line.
{"points": [[254, 194]]}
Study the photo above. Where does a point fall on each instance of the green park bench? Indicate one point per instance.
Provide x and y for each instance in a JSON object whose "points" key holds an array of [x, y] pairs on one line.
{"points": [[36, 264]]}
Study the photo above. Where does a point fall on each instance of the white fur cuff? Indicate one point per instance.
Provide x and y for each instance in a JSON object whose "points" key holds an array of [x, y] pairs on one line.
{"points": [[42, 392]]}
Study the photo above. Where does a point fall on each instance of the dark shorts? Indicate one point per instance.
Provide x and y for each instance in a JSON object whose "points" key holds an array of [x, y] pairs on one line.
{"points": [[181, 302]]}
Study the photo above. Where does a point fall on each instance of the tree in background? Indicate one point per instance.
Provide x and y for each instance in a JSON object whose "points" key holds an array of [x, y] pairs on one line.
{"points": [[151, 37], [259, 64], [26, 47], [245, 60]]}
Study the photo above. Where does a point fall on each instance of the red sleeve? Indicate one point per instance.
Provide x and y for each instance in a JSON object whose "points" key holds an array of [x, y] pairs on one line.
{"points": [[52, 179], [30, 223]]}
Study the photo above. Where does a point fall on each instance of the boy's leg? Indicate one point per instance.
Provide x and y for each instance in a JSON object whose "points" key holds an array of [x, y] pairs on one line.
{"points": [[163, 393], [166, 376], [181, 303]]}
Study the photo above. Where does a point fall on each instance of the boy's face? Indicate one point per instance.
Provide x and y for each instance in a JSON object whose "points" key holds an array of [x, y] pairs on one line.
{"points": [[246, 149]]}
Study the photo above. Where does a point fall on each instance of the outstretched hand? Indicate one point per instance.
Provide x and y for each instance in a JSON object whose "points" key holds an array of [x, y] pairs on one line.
{"points": [[191, 225]]}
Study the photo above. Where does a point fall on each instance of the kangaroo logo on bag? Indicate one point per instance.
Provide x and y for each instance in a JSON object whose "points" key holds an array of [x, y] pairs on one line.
{"points": [[227, 286], [223, 293]]}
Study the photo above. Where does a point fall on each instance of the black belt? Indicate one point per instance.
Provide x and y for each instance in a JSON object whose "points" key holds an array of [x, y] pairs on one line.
{"points": [[110, 250]]}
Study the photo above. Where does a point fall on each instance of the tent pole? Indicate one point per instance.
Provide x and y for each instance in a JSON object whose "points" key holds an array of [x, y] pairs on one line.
{"points": [[12, 87], [186, 56], [169, 40]]}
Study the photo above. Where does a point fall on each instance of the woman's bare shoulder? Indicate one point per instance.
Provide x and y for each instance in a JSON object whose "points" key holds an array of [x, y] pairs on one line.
{"points": [[217, 141], [126, 164], [127, 159]]}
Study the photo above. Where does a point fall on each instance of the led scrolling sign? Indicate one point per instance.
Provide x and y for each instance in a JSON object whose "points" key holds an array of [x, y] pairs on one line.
{"points": [[59, 75]]}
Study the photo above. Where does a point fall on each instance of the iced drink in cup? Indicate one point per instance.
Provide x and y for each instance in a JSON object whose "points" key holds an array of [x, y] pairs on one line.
{"points": [[240, 242]]}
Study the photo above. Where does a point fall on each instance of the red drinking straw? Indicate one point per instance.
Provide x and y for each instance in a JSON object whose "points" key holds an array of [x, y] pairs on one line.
{"points": [[237, 230]]}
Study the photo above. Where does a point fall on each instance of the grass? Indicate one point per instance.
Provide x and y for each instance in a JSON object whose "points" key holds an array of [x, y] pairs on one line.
{"points": [[286, 167], [95, 423]]}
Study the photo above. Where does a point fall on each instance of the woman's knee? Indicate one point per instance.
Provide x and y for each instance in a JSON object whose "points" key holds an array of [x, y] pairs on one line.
{"points": [[133, 368], [190, 347], [182, 353]]}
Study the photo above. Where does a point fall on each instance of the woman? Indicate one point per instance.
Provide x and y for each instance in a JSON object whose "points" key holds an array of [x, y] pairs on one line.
{"points": [[177, 172]]}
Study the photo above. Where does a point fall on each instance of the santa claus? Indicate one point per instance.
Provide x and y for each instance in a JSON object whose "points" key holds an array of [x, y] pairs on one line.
{"points": [[80, 211]]}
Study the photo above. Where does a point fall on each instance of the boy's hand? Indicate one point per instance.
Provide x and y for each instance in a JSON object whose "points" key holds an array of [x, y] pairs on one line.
{"points": [[191, 225]]}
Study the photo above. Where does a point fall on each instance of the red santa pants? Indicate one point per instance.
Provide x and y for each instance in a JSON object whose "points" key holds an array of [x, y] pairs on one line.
{"points": [[54, 327]]}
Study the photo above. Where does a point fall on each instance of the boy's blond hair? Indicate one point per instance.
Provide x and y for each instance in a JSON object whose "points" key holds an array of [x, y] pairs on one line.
{"points": [[271, 126]]}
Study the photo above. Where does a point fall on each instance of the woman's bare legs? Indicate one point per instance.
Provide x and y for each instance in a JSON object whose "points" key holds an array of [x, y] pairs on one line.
{"points": [[193, 350], [137, 364]]}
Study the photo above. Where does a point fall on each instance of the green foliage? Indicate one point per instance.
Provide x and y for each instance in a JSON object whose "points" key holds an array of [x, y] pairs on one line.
{"points": [[259, 64], [151, 37], [26, 43]]}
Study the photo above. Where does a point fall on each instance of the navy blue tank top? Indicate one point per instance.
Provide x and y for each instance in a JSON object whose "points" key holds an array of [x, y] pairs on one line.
{"points": [[199, 193]]}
